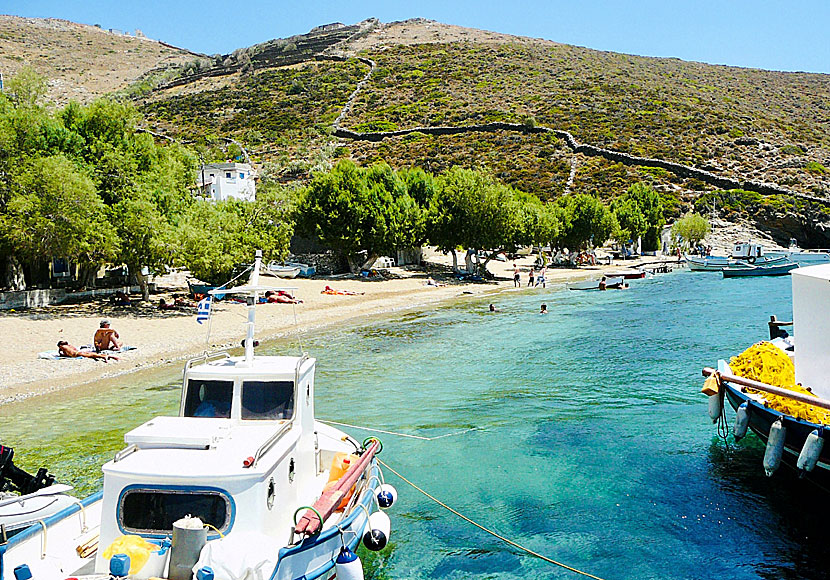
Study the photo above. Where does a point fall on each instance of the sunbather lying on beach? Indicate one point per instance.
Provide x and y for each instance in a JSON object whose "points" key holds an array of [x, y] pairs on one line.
{"points": [[66, 349], [178, 303], [281, 297], [432, 282], [330, 290]]}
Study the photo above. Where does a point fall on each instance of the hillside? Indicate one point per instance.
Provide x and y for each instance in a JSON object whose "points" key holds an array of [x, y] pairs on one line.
{"points": [[81, 62], [767, 132]]}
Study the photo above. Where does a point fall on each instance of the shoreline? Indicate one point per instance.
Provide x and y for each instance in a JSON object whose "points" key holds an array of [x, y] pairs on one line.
{"points": [[168, 337]]}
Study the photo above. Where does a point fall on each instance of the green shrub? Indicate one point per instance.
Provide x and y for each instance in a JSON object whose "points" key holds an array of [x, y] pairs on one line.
{"points": [[815, 167]]}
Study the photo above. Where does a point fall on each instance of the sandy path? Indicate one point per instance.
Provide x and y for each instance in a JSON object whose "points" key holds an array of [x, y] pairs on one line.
{"points": [[171, 335]]}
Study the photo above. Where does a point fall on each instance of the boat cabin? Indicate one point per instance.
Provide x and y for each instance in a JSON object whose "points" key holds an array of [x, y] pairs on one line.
{"points": [[747, 250], [241, 455]]}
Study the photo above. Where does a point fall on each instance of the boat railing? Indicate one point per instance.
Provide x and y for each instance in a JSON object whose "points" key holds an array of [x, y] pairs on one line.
{"points": [[208, 356], [765, 388], [268, 444]]}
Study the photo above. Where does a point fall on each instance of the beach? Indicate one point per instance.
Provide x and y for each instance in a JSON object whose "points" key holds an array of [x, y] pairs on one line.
{"points": [[163, 337]]}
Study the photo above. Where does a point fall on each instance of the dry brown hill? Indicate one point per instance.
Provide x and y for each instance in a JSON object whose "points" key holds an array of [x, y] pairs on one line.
{"points": [[82, 62]]}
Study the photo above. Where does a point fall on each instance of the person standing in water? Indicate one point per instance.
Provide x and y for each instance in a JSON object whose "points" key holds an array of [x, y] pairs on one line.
{"points": [[543, 309]]}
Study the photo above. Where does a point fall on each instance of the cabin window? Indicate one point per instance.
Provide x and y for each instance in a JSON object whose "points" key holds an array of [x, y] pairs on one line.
{"points": [[155, 510], [208, 398], [267, 400], [227, 175]]}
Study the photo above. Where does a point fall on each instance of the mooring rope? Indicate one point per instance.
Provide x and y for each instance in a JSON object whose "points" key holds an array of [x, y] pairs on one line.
{"points": [[400, 434], [489, 531]]}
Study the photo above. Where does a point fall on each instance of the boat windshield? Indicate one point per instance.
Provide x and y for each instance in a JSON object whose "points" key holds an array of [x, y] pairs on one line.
{"points": [[267, 400], [208, 398]]}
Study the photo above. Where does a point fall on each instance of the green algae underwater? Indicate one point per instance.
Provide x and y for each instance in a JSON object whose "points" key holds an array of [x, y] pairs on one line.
{"points": [[591, 440]]}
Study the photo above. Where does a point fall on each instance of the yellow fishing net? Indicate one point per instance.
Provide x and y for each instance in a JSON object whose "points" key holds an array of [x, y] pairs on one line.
{"points": [[766, 363]]}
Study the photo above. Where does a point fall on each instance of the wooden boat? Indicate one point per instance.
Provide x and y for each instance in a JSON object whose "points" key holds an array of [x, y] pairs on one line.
{"points": [[306, 271], [790, 439], [279, 494], [594, 284], [781, 269], [283, 270], [718, 263]]}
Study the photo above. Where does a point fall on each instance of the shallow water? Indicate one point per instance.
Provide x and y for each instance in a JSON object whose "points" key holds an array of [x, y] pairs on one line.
{"points": [[592, 443]]}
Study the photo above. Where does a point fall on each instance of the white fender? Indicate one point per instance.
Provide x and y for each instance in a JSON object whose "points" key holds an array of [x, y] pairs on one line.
{"points": [[775, 446], [387, 496], [741, 420], [348, 566], [715, 408], [811, 451], [377, 536]]}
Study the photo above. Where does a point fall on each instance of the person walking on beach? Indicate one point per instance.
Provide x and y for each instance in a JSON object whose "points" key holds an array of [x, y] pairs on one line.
{"points": [[516, 277], [67, 350], [106, 338], [541, 278], [530, 278]]}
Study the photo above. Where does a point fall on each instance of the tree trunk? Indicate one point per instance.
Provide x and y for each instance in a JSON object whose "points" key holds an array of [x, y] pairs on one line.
{"points": [[354, 267], [13, 275], [454, 261], [468, 262], [141, 279], [86, 275], [370, 261]]}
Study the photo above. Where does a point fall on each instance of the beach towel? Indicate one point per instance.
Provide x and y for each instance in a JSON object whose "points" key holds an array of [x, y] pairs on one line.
{"points": [[55, 355]]}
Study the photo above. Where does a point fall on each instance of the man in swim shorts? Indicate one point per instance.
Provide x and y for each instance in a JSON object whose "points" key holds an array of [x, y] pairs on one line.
{"points": [[67, 350], [106, 337]]}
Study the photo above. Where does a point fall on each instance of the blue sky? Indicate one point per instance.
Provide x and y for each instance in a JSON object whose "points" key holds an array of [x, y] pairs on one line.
{"points": [[769, 34]]}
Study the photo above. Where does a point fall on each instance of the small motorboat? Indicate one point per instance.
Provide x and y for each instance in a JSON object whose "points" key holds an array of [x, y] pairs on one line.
{"points": [[632, 274], [718, 263], [283, 270], [803, 257], [30, 498], [777, 269], [199, 289], [789, 409], [245, 479], [614, 282]]}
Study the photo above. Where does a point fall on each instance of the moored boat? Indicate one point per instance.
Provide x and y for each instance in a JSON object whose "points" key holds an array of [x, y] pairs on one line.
{"points": [[277, 494], [718, 263], [632, 274], [781, 269], [283, 270], [780, 389], [803, 257], [306, 271]]}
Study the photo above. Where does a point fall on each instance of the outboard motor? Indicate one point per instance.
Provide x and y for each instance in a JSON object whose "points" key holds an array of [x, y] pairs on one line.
{"points": [[12, 478]]}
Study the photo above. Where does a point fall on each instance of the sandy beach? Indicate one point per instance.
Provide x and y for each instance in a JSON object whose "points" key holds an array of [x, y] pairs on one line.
{"points": [[164, 336]]}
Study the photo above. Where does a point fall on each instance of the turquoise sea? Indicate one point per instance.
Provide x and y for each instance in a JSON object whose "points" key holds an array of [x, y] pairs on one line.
{"points": [[592, 443]]}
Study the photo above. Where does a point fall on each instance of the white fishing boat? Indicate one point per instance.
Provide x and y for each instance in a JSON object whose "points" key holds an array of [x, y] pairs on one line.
{"points": [[803, 257], [284, 270], [278, 494], [780, 389], [718, 263], [614, 282]]}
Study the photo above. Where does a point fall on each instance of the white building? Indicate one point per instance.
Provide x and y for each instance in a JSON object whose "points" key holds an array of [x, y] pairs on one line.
{"points": [[221, 181]]}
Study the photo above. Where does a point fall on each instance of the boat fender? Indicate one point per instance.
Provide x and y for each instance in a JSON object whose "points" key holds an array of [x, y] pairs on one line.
{"points": [[811, 451], [715, 407], [347, 565], [387, 496], [205, 573], [377, 536], [22, 572], [775, 446], [741, 421], [119, 565]]}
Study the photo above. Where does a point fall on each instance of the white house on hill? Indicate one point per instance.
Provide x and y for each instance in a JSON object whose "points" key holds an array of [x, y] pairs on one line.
{"points": [[221, 181]]}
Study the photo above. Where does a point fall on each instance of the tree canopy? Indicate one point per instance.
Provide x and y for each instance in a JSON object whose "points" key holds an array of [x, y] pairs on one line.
{"points": [[691, 228]]}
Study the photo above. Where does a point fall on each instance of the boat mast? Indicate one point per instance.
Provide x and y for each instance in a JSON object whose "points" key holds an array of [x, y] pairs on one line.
{"points": [[251, 300]]}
